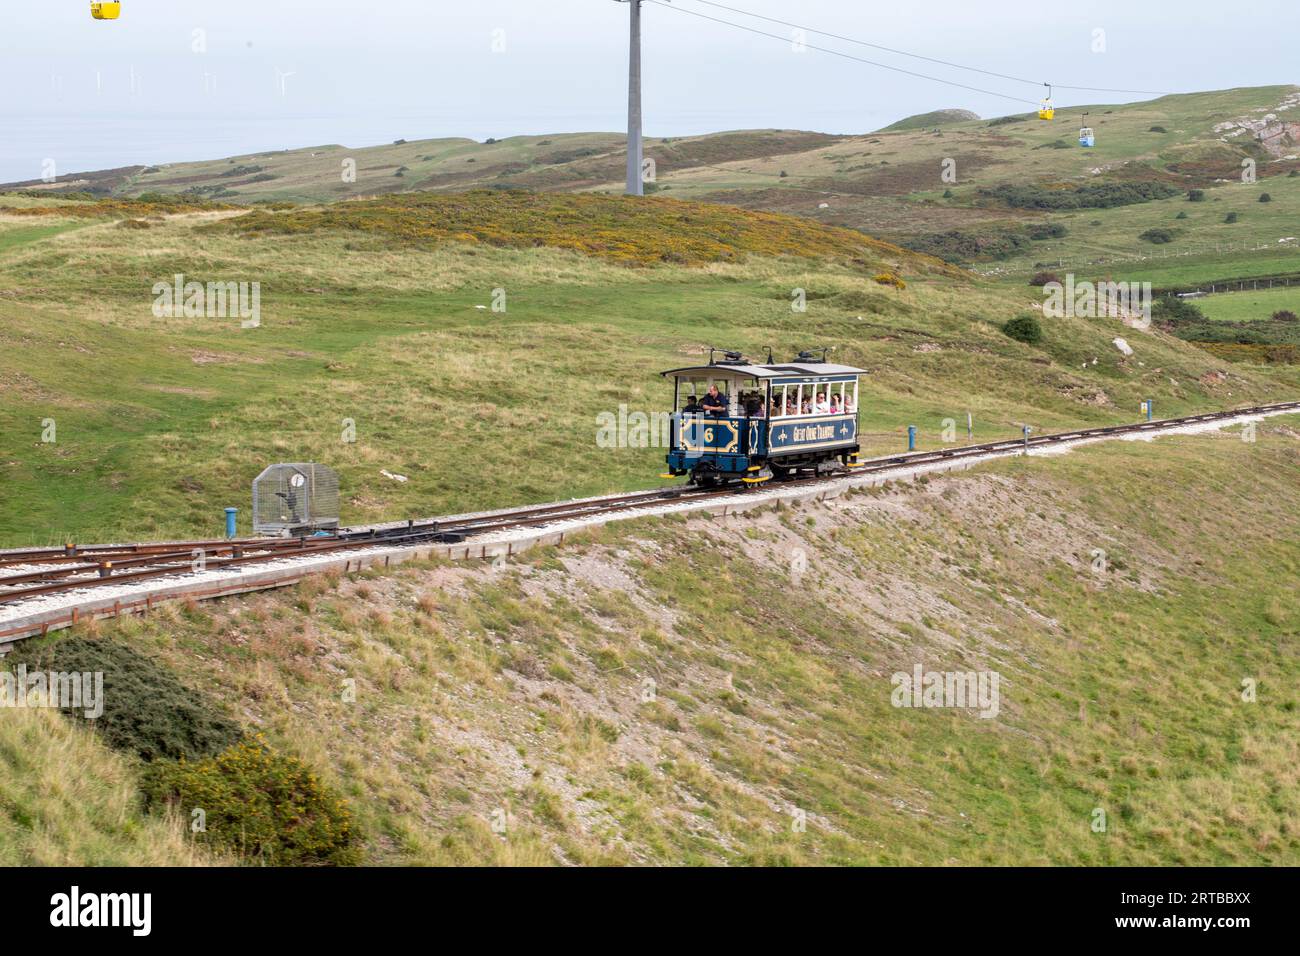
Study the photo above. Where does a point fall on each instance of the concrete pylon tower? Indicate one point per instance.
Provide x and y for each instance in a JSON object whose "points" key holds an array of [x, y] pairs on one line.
{"points": [[634, 185]]}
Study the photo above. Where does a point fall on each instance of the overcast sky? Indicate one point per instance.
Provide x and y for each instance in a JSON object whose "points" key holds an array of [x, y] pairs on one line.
{"points": [[178, 79]]}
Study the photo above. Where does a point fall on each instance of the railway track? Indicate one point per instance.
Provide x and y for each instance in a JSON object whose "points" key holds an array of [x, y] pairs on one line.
{"points": [[73, 571], [45, 571]]}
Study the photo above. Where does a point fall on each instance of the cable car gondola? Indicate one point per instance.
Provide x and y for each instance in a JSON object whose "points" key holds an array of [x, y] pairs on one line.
{"points": [[105, 10], [1086, 138], [1045, 109]]}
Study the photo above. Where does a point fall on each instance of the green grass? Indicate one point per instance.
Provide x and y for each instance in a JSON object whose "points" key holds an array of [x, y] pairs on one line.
{"points": [[13, 236], [522, 690], [518, 695], [886, 183], [67, 800], [1204, 248], [1250, 305], [160, 423]]}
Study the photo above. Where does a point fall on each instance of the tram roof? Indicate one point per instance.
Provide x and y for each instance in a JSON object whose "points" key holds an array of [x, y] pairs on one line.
{"points": [[813, 369]]}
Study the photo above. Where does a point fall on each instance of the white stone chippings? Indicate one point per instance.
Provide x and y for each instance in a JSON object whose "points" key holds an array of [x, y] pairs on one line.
{"points": [[500, 542], [135, 590]]}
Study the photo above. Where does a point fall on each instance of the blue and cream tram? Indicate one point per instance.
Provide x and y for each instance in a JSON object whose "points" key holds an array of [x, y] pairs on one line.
{"points": [[755, 422]]}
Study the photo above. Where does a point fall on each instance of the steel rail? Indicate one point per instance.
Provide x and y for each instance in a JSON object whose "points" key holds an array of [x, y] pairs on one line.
{"points": [[168, 561]]}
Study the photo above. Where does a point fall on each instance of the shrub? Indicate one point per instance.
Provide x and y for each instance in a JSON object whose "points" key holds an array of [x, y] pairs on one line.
{"points": [[1293, 174], [266, 806], [891, 279], [1024, 328], [1181, 215], [1158, 236], [490, 141], [634, 233], [1042, 278], [1265, 197], [1157, 129], [1230, 217], [1284, 315], [147, 711], [1048, 230], [784, 174], [947, 194], [1170, 308], [959, 245], [241, 171], [1253, 352], [1196, 195], [1098, 196]]}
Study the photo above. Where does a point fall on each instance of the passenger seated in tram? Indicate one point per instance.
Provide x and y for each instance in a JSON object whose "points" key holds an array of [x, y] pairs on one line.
{"points": [[821, 406], [715, 403], [835, 404], [692, 406], [753, 405], [849, 407]]}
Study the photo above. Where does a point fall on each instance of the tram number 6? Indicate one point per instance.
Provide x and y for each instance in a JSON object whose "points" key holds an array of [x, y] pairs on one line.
{"points": [[708, 436]]}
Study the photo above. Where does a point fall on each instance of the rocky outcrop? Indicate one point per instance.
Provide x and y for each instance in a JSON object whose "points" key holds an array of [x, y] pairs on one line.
{"points": [[1277, 133]]}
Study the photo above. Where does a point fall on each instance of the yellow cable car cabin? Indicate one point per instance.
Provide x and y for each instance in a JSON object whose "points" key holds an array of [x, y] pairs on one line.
{"points": [[1045, 109], [107, 10]]}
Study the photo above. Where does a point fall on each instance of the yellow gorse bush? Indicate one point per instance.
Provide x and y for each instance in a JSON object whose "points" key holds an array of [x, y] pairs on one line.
{"points": [[633, 231], [264, 805]]}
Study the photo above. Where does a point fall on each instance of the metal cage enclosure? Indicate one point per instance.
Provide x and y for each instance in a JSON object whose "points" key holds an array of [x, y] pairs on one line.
{"points": [[295, 497]]}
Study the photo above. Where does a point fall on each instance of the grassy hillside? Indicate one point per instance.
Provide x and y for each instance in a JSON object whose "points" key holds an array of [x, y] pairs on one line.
{"points": [[68, 800], [666, 692], [674, 691], [888, 184], [931, 120], [374, 320]]}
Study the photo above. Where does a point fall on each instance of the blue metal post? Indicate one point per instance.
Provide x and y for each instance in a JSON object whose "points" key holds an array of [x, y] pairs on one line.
{"points": [[1147, 407], [230, 521], [911, 438]]}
